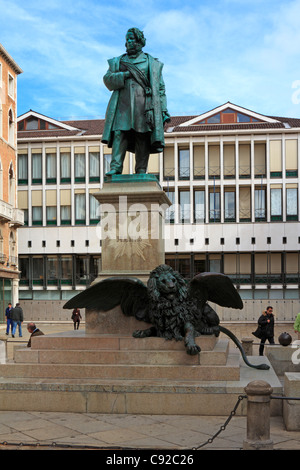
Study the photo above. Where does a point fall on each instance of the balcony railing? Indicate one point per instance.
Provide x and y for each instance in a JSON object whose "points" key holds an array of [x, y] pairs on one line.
{"points": [[5, 211], [17, 217]]}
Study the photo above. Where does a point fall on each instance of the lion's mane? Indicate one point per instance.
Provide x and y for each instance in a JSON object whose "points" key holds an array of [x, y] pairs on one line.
{"points": [[169, 316]]}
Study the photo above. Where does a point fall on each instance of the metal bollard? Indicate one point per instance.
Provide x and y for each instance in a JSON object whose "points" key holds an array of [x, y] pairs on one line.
{"points": [[247, 344], [258, 416]]}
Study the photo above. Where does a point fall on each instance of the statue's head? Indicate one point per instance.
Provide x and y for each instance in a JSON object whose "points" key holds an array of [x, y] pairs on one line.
{"points": [[135, 40], [166, 282]]}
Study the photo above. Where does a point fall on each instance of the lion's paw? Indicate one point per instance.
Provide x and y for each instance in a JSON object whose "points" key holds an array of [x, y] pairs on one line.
{"points": [[193, 349], [139, 334]]}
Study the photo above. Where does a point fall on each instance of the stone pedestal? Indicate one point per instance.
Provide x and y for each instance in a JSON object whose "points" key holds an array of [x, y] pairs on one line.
{"points": [[132, 225]]}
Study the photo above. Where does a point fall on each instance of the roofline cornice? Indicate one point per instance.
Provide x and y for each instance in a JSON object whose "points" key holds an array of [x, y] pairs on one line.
{"points": [[292, 130], [58, 138], [10, 60], [167, 135]]}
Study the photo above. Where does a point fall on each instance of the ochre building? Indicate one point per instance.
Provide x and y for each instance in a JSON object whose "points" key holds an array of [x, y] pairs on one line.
{"points": [[10, 217]]}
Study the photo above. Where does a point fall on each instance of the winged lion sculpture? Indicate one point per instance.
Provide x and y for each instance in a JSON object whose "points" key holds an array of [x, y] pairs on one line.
{"points": [[174, 308]]}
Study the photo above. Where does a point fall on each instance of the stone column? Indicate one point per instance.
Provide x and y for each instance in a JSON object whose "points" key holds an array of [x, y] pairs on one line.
{"points": [[258, 416]]}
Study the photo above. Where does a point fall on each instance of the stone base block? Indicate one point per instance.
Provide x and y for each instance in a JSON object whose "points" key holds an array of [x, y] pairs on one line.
{"points": [[281, 358], [291, 408]]}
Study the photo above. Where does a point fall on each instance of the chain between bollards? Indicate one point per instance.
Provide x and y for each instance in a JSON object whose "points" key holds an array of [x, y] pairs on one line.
{"points": [[223, 427]]}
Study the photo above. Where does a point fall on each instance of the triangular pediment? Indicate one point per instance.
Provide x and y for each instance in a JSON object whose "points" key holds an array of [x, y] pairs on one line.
{"points": [[228, 113], [33, 121]]}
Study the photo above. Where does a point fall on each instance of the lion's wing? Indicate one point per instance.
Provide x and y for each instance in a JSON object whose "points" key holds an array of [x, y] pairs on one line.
{"points": [[216, 288], [130, 293]]}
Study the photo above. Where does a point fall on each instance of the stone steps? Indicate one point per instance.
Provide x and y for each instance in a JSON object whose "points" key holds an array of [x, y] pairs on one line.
{"points": [[128, 372], [79, 355], [123, 356], [83, 341], [81, 372]]}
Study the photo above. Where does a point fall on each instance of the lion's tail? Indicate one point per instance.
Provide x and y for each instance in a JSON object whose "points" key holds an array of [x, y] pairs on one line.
{"points": [[238, 344]]}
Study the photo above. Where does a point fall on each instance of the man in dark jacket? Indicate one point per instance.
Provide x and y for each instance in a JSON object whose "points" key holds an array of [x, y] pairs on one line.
{"points": [[34, 331], [266, 323], [17, 318]]}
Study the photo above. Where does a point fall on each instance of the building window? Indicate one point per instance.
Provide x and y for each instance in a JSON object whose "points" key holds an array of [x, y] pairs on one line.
{"points": [[52, 270], [82, 270], [106, 162], [94, 210], [94, 166], [199, 206], [214, 264], [276, 204], [65, 215], [214, 162], [184, 206], [25, 216], [36, 160], [37, 270], [292, 204], [170, 212], [214, 207], [184, 164], [65, 167], [228, 116], [32, 124], [260, 204], [229, 206], [11, 86], [259, 160], [11, 128], [80, 209], [23, 266], [51, 215], [51, 168], [79, 167], [37, 215], [66, 270]]}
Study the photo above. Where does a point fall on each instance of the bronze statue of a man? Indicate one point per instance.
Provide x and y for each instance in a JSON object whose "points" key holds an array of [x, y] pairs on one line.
{"points": [[137, 110]]}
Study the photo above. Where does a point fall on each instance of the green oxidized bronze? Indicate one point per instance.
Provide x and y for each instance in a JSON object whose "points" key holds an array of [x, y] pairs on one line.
{"points": [[176, 310], [137, 110]]}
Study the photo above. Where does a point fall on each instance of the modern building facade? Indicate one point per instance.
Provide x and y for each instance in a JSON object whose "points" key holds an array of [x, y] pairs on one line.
{"points": [[10, 217], [232, 175]]}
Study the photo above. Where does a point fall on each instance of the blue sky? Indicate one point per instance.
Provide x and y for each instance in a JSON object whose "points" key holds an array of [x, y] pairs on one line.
{"points": [[246, 52]]}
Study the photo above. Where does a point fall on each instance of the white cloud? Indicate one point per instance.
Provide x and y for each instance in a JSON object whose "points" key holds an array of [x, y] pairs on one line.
{"points": [[245, 52]]}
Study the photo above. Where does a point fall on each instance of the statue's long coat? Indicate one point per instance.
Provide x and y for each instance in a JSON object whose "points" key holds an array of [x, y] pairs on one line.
{"points": [[114, 80]]}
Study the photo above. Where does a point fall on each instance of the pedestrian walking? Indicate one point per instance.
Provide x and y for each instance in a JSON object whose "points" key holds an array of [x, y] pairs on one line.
{"points": [[9, 323], [266, 326], [76, 317], [17, 318]]}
